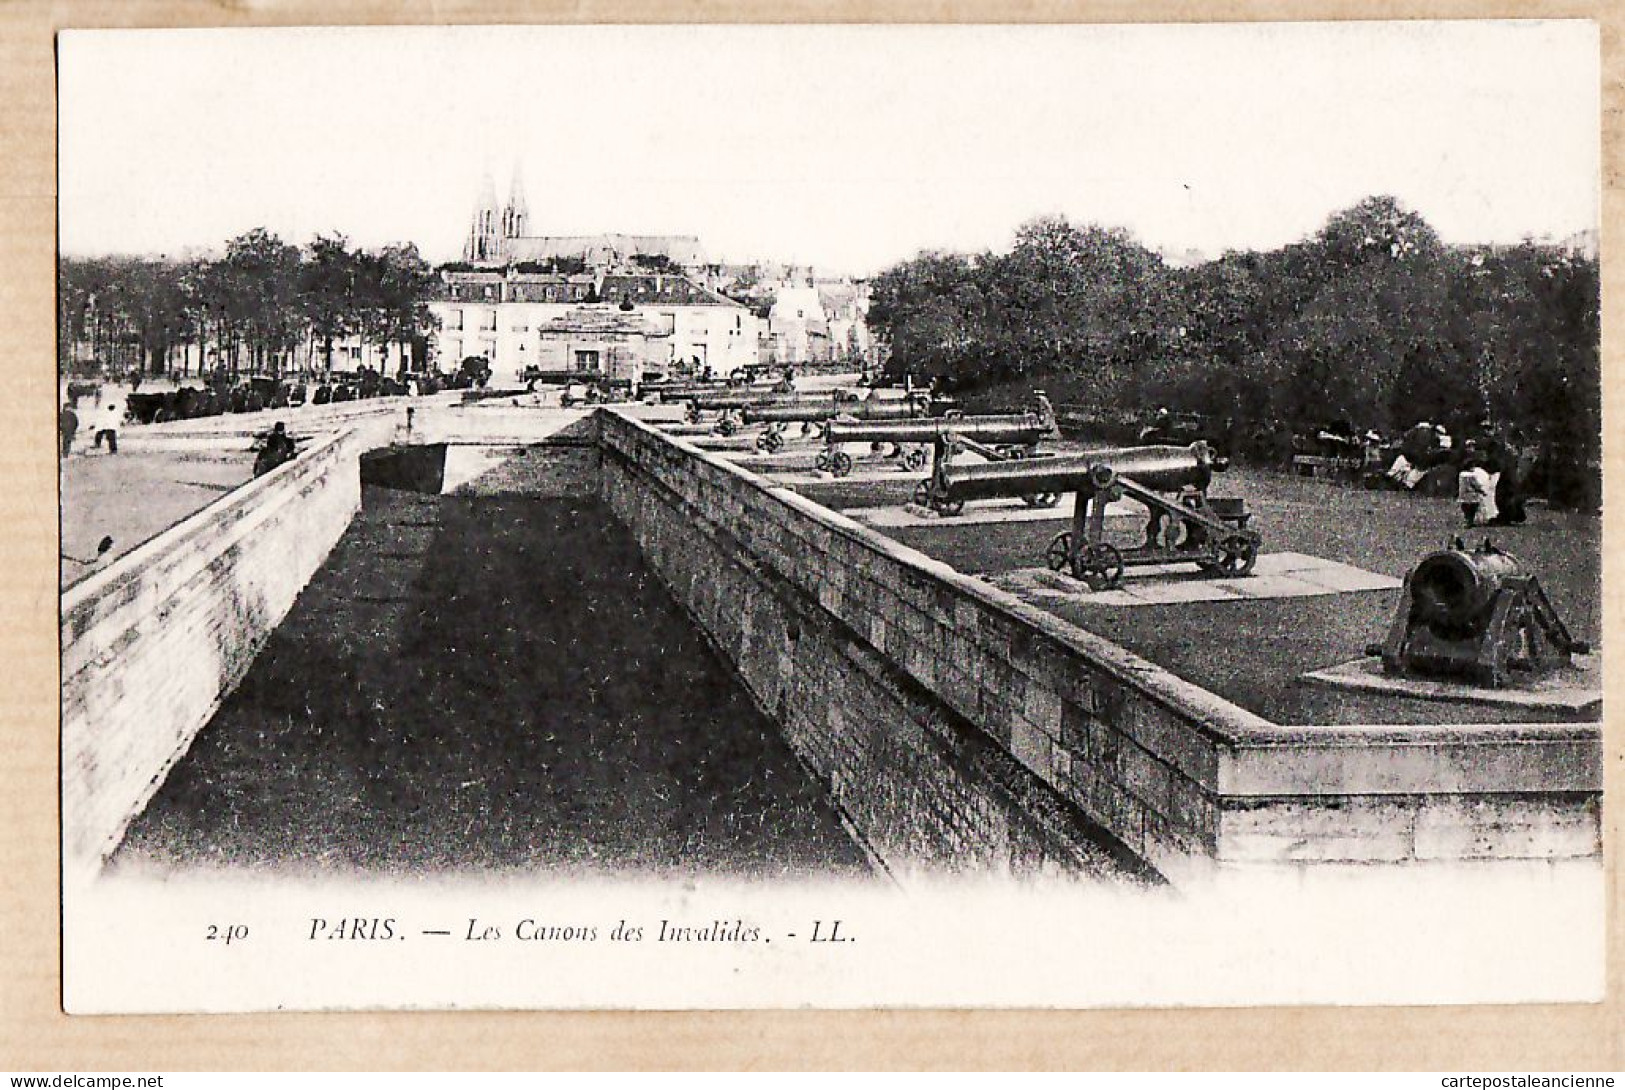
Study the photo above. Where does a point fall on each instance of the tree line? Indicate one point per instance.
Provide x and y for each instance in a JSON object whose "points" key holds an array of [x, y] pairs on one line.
{"points": [[1372, 321], [256, 305]]}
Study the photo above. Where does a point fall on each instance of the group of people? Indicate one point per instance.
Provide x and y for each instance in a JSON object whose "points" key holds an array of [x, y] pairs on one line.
{"points": [[105, 418], [272, 449], [1488, 485]]}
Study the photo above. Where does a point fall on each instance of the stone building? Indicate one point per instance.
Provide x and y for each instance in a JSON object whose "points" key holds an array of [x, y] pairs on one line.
{"points": [[603, 341], [507, 317], [817, 320], [798, 332]]}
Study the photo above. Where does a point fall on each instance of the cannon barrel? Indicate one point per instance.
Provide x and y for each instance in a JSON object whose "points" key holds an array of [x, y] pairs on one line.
{"points": [[1452, 587], [1161, 469], [813, 411], [1025, 428], [741, 399], [765, 397], [681, 391]]}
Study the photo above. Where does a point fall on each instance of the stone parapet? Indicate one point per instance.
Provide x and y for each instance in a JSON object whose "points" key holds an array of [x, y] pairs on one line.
{"points": [[887, 667]]}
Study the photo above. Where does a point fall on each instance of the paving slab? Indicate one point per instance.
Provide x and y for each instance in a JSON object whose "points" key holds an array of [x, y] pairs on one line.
{"points": [[1278, 575], [1573, 688]]}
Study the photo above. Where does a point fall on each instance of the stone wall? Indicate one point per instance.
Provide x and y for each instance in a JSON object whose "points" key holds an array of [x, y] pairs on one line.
{"points": [[151, 644], [958, 725], [954, 724]]}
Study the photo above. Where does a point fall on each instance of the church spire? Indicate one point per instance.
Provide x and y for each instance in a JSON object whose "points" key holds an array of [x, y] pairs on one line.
{"points": [[483, 242], [515, 216]]}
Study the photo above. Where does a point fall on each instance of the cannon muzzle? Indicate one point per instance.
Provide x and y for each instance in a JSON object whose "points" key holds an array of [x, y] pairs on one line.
{"points": [[1476, 615], [1452, 588]]}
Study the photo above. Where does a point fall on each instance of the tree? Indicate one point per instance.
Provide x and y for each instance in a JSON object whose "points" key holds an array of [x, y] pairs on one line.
{"points": [[1377, 228], [400, 292], [1088, 300], [259, 285], [327, 292], [660, 263], [927, 311]]}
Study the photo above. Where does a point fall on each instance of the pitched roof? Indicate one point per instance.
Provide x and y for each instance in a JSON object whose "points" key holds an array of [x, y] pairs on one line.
{"points": [[683, 249], [647, 289]]}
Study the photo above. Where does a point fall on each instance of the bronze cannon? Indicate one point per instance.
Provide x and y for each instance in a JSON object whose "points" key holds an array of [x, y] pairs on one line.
{"points": [[1212, 533], [1476, 615], [817, 410], [740, 398], [735, 405], [995, 438], [811, 411]]}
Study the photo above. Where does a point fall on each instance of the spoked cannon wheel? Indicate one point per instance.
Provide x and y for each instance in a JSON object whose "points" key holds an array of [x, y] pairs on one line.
{"points": [[726, 426], [947, 507], [914, 459], [840, 463], [1237, 556], [770, 442], [1100, 565], [693, 413], [1041, 499], [821, 462], [1059, 552], [922, 494]]}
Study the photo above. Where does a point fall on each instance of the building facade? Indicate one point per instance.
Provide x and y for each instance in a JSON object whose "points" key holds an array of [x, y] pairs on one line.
{"points": [[512, 320]]}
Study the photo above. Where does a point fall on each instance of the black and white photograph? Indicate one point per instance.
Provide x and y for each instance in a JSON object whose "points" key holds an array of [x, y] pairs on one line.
{"points": [[839, 517]]}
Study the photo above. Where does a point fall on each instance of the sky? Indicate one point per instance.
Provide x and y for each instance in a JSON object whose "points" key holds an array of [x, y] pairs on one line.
{"points": [[847, 148]]}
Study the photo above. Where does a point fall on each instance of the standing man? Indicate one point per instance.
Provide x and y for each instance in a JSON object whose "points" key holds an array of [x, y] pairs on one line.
{"points": [[1502, 462], [1473, 493], [67, 423], [108, 418]]}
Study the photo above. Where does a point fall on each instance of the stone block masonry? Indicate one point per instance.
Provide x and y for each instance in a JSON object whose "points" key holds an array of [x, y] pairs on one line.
{"points": [[958, 726], [152, 644]]}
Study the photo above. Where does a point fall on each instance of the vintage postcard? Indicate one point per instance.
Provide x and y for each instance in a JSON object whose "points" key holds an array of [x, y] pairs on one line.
{"points": [[756, 517]]}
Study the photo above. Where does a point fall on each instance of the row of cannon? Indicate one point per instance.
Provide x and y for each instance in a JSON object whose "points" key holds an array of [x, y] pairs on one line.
{"points": [[1469, 614], [1171, 482]]}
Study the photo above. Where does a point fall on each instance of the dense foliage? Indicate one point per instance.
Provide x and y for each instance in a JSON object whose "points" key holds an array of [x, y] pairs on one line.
{"points": [[1373, 321], [256, 305]]}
